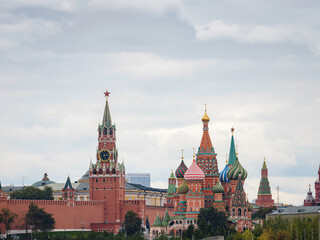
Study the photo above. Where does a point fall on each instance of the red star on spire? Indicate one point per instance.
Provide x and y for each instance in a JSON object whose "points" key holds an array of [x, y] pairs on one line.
{"points": [[106, 93], [232, 130]]}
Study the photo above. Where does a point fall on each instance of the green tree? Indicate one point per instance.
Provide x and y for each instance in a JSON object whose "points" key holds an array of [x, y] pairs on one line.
{"points": [[283, 235], [257, 231], [39, 219], [211, 222], [31, 192], [247, 235], [262, 212], [267, 235], [132, 223], [7, 217], [187, 234]]}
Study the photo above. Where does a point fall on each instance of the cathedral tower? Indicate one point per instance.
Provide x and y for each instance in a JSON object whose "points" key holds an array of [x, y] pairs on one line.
{"points": [[264, 194], [317, 188], [106, 179], [207, 161]]}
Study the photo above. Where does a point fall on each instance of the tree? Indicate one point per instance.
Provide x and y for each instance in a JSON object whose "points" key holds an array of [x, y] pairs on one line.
{"points": [[283, 235], [247, 235], [31, 192], [7, 217], [132, 223], [38, 219], [262, 212], [211, 222], [267, 235], [187, 234]]}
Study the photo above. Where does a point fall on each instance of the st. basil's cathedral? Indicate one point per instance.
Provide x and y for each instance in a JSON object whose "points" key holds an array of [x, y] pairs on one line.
{"points": [[201, 185]]}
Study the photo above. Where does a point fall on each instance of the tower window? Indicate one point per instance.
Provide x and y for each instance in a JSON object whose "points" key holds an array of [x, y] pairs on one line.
{"points": [[97, 180]]}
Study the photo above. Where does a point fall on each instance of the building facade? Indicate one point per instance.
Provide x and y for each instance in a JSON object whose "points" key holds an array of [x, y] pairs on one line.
{"points": [[310, 201], [201, 185], [105, 207], [264, 194]]}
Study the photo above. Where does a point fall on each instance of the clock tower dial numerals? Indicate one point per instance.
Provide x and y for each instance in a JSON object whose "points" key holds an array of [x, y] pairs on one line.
{"points": [[104, 155]]}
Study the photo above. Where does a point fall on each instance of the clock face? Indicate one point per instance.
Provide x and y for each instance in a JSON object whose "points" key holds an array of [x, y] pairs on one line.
{"points": [[104, 155]]}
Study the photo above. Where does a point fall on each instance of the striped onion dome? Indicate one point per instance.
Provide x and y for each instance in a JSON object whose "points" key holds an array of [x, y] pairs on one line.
{"points": [[234, 171], [223, 175], [194, 172], [183, 188], [181, 170], [218, 188]]}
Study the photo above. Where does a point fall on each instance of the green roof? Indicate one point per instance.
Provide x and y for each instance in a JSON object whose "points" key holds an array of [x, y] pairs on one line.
{"points": [[157, 221], [172, 175], [232, 152]]}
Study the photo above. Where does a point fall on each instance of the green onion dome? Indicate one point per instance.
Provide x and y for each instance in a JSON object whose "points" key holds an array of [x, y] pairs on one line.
{"points": [[218, 188], [183, 188], [233, 172]]}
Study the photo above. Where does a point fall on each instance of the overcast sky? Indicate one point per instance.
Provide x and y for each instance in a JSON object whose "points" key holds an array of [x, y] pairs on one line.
{"points": [[255, 63]]}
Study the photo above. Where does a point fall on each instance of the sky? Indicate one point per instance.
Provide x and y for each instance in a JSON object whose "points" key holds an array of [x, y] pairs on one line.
{"points": [[255, 63]]}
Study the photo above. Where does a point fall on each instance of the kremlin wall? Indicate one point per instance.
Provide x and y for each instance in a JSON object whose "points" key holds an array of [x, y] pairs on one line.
{"points": [[100, 199]]}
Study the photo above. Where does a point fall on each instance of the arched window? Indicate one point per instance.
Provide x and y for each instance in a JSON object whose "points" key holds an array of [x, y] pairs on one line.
{"points": [[110, 131], [105, 131], [239, 211], [233, 211], [245, 212], [94, 171], [100, 171], [113, 171], [107, 171]]}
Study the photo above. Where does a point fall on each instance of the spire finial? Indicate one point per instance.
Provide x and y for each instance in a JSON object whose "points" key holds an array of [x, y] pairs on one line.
{"points": [[182, 154], [232, 130], [205, 108], [237, 150], [226, 159], [309, 186], [193, 154], [205, 117], [106, 94]]}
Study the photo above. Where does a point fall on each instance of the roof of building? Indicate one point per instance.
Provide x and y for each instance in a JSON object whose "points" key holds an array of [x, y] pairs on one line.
{"points": [[223, 175], [183, 188], [296, 210], [11, 188], [157, 221], [232, 152], [68, 184], [205, 117], [134, 186], [235, 170], [218, 188], [181, 170], [194, 172]]}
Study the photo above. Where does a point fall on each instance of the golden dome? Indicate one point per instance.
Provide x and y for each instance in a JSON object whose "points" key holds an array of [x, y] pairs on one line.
{"points": [[205, 117]]}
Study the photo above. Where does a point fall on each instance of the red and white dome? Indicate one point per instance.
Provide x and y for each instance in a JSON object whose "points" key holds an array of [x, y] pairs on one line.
{"points": [[194, 172]]}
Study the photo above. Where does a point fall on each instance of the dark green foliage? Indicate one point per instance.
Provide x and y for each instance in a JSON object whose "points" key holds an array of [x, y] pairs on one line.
{"points": [[132, 223], [257, 231], [38, 219], [33, 193], [262, 212], [283, 235], [211, 222], [147, 224], [7, 217]]}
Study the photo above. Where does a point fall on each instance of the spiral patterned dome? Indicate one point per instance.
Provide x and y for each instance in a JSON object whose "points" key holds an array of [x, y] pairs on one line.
{"points": [[194, 172], [223, 175], [183, 188], [235, 170], [218, 188], [181, 170]]}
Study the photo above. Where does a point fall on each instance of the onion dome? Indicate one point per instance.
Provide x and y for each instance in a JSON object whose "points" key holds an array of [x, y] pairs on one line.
{"points": [[223, 175], [194, 172], [235, 170], [218, 188], [183, 188], [205, 117], [181, 170]]}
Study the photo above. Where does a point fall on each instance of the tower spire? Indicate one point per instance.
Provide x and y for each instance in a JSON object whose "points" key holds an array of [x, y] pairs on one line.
{"points": [[106, 121], [232, 152], [206, 145]]}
